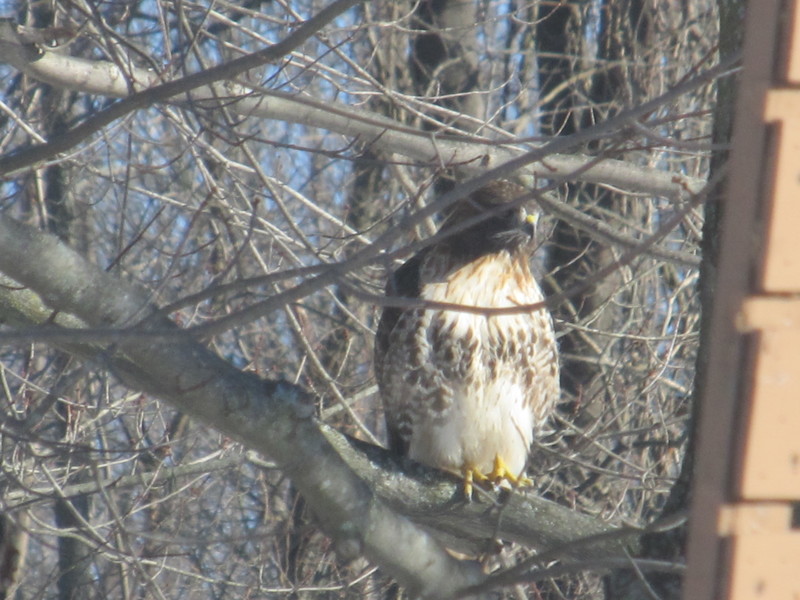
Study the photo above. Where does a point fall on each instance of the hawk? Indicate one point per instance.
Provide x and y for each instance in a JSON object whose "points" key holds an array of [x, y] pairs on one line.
{"points": [[467, 392]]}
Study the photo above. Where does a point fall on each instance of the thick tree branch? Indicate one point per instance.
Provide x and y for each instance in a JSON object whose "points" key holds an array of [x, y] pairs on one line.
{"points": [[435, 500]]}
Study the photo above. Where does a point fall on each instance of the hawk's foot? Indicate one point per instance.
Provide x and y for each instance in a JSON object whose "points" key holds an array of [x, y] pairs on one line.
{"points": [[501, 472]]}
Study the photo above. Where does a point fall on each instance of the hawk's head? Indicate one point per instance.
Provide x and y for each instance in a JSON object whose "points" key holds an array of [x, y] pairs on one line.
{"points": [[490, 220]]}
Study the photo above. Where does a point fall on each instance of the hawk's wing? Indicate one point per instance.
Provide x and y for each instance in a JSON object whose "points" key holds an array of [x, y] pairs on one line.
{"points": [[404, 283]]}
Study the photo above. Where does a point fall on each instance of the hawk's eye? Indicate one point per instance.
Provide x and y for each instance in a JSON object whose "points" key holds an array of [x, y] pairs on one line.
{"points": [[513, 217]]}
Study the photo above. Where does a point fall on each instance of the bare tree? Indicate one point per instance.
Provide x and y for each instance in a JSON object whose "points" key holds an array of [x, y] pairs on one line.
{"points": [[200, 203]]}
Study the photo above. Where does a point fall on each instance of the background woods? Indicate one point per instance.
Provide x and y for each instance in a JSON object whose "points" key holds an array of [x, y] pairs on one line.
{"points": [[260, 206]]}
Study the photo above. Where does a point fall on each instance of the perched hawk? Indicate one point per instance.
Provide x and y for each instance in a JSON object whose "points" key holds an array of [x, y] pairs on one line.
{"points": [[464, 391]]}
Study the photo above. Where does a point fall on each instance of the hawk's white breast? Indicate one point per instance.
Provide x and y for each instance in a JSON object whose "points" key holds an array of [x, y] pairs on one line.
{"points": [[485, 403]]}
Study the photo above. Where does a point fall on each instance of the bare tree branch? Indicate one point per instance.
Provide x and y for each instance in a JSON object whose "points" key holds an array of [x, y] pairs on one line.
{"points": [[472, 154], [147, 97]]}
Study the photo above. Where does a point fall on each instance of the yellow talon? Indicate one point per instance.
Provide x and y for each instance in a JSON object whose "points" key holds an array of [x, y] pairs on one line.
{"points": [[471, 475], [500, 473]]}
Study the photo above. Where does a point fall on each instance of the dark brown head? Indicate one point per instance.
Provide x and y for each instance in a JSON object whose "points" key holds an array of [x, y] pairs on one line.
{"points": [[497, 222]]}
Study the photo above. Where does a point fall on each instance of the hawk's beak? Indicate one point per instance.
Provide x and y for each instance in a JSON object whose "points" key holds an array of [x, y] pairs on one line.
{"points": [[530, 220]]}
